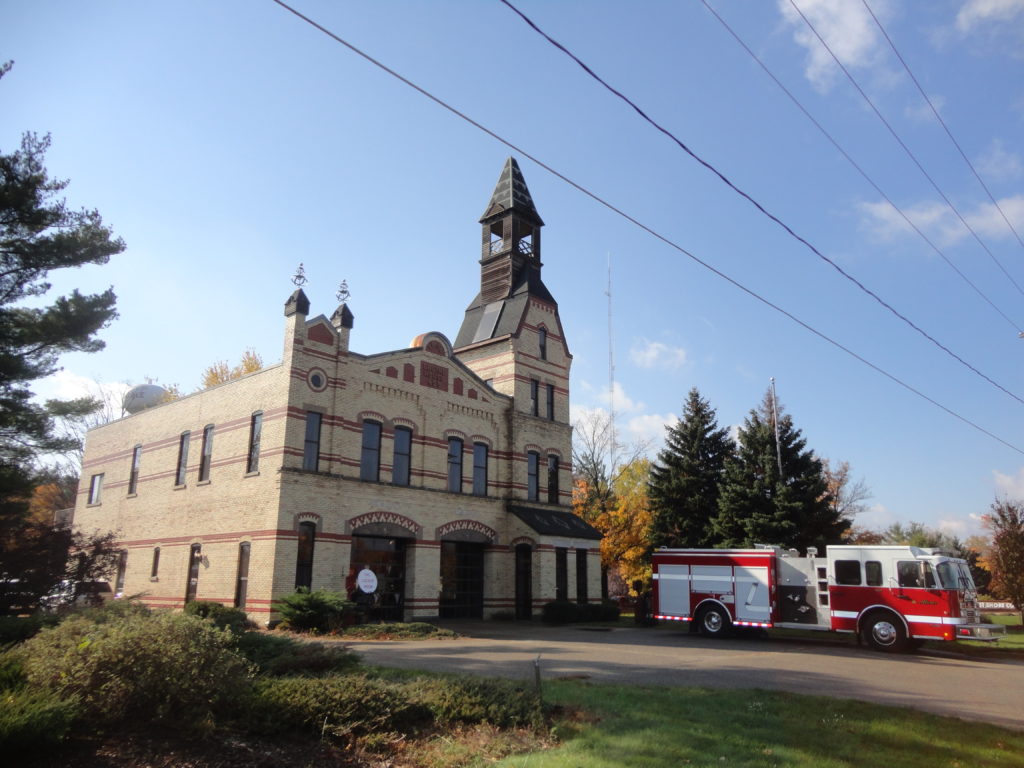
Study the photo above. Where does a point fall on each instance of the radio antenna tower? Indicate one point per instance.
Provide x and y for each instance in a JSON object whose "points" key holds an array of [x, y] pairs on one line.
{"points": [[611, 377], [775, 423]]}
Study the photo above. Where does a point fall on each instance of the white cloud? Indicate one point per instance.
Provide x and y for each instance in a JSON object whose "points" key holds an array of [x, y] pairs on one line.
{"points": [[975, 13], [845, 25], [648, 429], [999, 164], [1011, 486], [922, 112], [655, 354], [939, 222], [65, 385]]}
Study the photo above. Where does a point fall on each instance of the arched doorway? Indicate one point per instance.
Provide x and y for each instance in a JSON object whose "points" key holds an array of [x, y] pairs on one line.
{"points": [[462, 575]]}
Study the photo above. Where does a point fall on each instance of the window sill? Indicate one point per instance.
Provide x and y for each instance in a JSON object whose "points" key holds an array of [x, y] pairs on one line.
{"points": [[252, 474], [132, 496], [203, 482], [94, 504], [180, 487], [154, 578]]}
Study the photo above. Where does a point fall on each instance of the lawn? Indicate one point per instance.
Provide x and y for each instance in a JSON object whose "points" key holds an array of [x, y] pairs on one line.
{"points": [[619, 726]]}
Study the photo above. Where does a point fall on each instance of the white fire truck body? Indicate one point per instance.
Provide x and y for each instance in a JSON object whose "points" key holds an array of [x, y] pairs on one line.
{"points": [[892, 596]]}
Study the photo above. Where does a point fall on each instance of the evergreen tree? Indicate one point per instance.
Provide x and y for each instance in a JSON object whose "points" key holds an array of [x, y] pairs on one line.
{"points": [[685, 479], [758, 504], [39, 233]]}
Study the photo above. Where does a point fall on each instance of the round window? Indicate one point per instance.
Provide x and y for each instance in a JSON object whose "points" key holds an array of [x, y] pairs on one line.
{"points": [[316, 380]]}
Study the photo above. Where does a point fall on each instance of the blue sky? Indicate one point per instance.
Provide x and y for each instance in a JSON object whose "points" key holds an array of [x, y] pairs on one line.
{"points": [[227, 142]]}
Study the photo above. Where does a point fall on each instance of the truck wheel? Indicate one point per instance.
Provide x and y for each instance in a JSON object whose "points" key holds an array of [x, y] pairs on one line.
{"points": [[884, 632], [714, 621]]}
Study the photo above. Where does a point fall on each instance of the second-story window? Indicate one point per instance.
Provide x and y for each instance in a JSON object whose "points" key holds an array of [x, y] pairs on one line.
{"points": [[552, 479], [133, 475], [542, 343], [255, 433], [551, 402], [179, 474], [532, 469], [401, 464], [369, 460], [455, 464], [534, 397], [95, 488], [311, 448], [479, 469], [154, 569], [206, 456]]}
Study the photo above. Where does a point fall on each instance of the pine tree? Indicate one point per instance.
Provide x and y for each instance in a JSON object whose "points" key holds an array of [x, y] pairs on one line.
{"points": [[758, 504], [685, 479]]}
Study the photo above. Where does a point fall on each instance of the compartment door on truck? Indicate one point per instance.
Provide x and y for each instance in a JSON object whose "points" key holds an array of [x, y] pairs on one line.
{"points": [[753, 600], [674, 590]]}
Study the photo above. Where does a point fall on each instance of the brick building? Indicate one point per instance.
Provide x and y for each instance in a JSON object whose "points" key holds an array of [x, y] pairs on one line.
{"points": [[443, 469]]}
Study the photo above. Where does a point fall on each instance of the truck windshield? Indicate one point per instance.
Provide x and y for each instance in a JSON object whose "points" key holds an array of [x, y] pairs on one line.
{"points": [[954, 574]]}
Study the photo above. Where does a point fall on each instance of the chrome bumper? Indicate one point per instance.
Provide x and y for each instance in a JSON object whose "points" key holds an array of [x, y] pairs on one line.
{"points": [[980, 631]]}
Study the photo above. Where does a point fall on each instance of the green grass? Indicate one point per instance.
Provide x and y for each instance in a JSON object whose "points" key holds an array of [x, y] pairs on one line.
{"points": [[650, 727]]}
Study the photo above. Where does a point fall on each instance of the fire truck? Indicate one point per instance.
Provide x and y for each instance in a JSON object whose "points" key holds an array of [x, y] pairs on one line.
{"points": [[892, 597]]}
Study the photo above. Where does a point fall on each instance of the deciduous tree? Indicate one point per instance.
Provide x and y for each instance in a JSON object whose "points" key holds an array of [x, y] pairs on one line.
{"points": [[221, 373], [685, 479], [1006, 555]]}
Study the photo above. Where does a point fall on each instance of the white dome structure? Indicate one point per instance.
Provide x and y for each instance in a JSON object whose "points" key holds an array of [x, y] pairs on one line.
{"points": [[142, 397]]}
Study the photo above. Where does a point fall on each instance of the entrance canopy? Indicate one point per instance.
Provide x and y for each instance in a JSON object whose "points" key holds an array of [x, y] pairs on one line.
{"points": [[552, 522]]}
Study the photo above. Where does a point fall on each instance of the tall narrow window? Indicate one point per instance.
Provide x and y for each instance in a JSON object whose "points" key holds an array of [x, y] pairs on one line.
{"points": [[255, 432], [551, 402], [95, 488], [195, 560], [304, 558], [401, 464], [311, 450], [532, 469], [154, 570], [561, 573], [179, 474], [369, 462], [552, 479], [479, 469], [133, 475], [455, 464], [242, 581], [534, 397], [581, 576], [122, 569], [207, 453]]}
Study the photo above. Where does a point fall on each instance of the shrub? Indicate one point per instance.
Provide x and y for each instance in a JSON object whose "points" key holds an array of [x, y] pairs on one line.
{"points": [[223, 616], [172, 668], [559, 612], [277, 655], [15, 629], [503, 616], [32, 719], [502, 703], [320, 611], [12, 671], [340, 706], [414, 630]]}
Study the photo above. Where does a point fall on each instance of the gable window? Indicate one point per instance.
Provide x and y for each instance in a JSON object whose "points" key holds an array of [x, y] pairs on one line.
{"points": [[133, 476], [242, 580], [154, 570], [179, 474], [534, 397], [255, 430], [311, 449], [479, 469], [532, 469], [542, 343], [206, 454], [369, 461], [95, 488], [304, 556], [551, 402], [552, 479], [455, 464], [401, 464]]}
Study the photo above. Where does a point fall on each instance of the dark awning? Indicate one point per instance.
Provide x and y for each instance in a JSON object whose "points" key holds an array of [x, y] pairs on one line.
{"points": [[551, 522]]}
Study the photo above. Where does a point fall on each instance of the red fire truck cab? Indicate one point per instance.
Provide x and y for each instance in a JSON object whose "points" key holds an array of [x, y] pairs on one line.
{"points": [[893, 597]]}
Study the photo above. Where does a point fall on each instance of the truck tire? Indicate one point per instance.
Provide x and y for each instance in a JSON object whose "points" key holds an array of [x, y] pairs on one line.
{"points": [[884, 632], [714, 621]]}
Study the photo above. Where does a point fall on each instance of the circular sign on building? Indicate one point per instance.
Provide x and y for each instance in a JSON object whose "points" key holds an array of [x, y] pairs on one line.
{"points": [[366, 580]]}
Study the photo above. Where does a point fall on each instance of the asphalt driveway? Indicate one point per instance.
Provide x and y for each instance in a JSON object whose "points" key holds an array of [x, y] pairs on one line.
{"points": [[991, 691]]}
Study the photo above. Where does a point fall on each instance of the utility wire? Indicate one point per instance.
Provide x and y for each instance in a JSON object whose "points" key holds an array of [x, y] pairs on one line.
{"points": [[857, 166], [758, 205], [906, 149], [943, 123], [601, 201]]}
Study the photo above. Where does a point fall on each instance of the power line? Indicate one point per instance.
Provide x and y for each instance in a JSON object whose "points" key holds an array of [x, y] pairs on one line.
{"points": [[943, 123], [857, 166], [601, 201], [906, 149], [675, 139]]}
